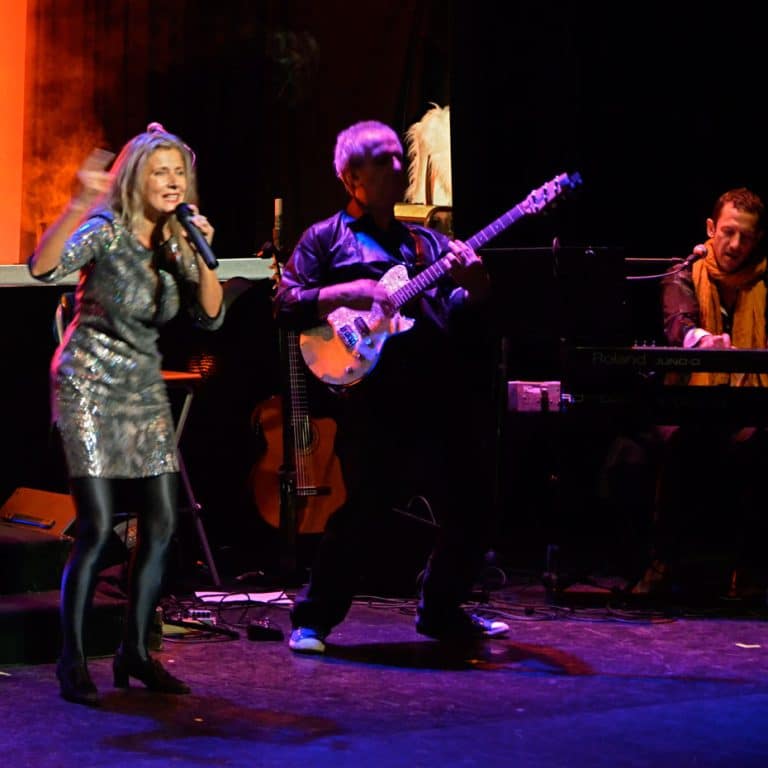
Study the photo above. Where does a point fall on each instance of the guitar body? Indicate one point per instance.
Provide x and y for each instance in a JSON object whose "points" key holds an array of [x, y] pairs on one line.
{"points": [[312, 511], [343, 350]]}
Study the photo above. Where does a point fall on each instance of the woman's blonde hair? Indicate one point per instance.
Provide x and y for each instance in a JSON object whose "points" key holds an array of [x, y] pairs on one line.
{"points": [[126, 196]]}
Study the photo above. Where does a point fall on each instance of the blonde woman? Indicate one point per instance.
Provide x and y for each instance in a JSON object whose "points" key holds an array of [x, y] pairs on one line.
{"points": [[109, 402]]}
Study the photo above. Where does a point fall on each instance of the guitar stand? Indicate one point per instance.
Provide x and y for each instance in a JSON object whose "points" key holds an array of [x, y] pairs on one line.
{"points": [[287, 525]]}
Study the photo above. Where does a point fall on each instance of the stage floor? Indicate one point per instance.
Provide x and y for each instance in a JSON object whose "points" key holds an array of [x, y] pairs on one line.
{"points": [[576, 683]]}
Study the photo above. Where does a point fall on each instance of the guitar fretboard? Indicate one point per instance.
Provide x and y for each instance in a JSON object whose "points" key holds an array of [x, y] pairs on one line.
{"points": [[301, 428], [496, 227], [535, 202]]}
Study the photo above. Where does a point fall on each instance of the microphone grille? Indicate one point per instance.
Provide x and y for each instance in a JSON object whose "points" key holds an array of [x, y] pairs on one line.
{"points": [[183, 211]]}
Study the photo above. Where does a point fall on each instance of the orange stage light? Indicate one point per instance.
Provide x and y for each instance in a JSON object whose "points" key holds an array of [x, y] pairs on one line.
{"points": [[13, 36]]}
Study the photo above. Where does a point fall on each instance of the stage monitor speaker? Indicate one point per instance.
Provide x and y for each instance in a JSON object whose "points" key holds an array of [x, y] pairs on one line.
{"points": [[44, 511]]}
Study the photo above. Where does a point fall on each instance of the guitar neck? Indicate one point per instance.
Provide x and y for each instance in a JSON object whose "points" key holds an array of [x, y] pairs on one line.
{"points": [[496, 227], [297, 385], [298, 436], [435, 271]]}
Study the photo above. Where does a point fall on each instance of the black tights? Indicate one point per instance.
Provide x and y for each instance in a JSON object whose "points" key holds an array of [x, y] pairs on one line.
{"points": [[95, 503]]}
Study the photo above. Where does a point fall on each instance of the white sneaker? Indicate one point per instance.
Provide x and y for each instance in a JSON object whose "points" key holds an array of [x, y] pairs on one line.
{"points": [[489, 627], [306, 640]]}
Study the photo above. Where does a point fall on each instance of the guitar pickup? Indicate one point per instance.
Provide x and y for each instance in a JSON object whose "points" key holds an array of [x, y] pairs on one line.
{"points": [[364, 331], [362, 327], [348, 336]]}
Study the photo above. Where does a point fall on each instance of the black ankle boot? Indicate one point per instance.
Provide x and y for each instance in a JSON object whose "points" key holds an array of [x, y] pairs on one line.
{"points": [[149, 671], [76, 684]]}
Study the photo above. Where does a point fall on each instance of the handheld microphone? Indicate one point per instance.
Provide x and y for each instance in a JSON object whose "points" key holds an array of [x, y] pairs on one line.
{"points": [[184, 214]]}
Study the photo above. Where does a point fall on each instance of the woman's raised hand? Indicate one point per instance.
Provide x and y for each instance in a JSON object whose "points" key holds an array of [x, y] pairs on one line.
{"points": [[94, 178]]}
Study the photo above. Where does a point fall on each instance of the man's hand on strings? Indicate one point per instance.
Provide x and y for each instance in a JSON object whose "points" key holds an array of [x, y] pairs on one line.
{"points": [[467, 269]]}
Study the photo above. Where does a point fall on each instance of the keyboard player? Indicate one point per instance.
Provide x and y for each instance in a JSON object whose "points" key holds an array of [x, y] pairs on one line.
{"points": [[709, 473]]}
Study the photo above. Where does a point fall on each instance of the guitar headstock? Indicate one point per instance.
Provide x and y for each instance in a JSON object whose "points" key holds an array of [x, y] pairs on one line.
{"points": [[276, 262], [547, 193], [277, 272]]}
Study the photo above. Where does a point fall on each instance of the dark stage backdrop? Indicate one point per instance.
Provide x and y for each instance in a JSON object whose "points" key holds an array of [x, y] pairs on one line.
{"points": [[656, 110], [656, 106]]}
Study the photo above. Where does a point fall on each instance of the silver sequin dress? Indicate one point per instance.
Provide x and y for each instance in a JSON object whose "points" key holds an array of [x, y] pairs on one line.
{"points": [[107, 392]]}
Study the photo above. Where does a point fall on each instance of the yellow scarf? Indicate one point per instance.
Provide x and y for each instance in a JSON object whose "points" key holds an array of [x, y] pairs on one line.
{"points": [[748, 327]]}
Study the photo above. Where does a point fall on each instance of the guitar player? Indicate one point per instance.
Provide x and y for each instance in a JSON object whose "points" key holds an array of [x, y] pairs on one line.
{"points": [[413, 428]]}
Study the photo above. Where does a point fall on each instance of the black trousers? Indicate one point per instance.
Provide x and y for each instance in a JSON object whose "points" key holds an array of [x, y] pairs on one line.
{"points": [[395, 446], [95, 501]]}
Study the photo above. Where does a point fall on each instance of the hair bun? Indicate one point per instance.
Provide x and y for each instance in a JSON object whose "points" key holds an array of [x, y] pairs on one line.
{"points": [[159, 128]]}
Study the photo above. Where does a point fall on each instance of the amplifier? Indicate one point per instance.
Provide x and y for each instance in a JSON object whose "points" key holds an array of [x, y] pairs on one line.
{"points": [[533, 396]]}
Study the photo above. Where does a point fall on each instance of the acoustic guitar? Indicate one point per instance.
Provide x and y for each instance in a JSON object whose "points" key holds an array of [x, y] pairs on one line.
{"points": [[346, 347], [297, 483]]}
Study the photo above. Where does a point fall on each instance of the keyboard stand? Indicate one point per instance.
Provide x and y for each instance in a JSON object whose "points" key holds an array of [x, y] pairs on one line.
{"points": [[187, 381]]}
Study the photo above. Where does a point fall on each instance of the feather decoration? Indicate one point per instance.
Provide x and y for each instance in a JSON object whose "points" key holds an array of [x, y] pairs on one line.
{"points": [[428, 144]]}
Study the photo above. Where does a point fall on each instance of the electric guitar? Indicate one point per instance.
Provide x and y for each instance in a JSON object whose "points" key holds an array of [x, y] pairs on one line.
{"points": [[345, 348]]}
